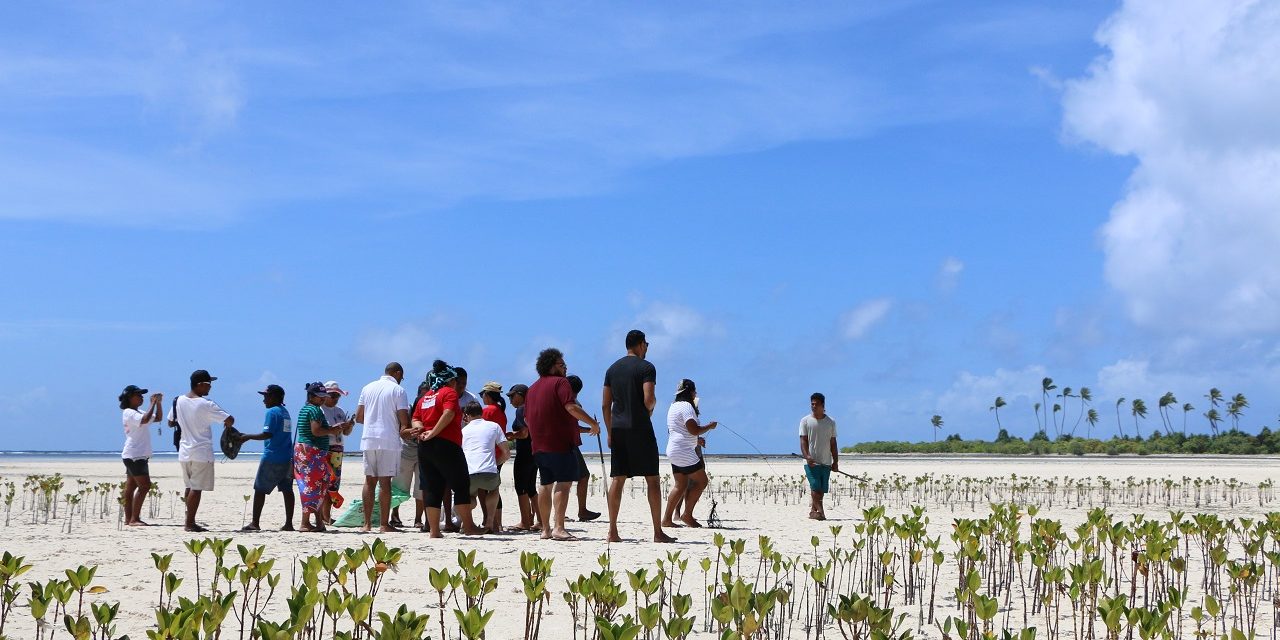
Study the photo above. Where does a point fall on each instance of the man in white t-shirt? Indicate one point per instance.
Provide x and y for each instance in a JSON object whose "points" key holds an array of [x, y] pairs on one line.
{"points": [[821, 455], [480, 443], [195, 414], [383, 409]]}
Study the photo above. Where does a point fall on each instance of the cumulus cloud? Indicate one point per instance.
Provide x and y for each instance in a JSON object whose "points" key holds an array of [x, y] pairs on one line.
{"points": [[973, 393], [858, 321], [949, 274], [1189, 90], [668, 326]]}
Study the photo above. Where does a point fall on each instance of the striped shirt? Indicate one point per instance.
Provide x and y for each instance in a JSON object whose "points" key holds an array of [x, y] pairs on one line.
{"points": [[309, 413]]}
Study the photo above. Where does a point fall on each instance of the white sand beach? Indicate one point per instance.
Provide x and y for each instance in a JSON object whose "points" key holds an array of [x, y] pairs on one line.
{"points": [[754, 497]]}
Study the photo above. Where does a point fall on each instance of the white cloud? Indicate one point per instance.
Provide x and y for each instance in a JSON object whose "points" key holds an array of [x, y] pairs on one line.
{"points": [[949, 274], [856, 322], [408, 344], [973, 394], [1190, 91], [668, 327]]}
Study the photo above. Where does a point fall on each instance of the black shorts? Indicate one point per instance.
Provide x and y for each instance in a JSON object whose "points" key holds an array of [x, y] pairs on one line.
{"points": [[634, 453], [442, 465], [525, 472], [560, 466], [583, 472], [693, 468], [136, 467]]}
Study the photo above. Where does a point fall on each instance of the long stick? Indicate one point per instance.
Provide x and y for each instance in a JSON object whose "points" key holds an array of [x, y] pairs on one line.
{"points": [[843, 473], [604, 482]]}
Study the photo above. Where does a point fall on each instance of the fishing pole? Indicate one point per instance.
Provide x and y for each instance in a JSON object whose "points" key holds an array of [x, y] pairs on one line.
{"points": [[843, 473]]}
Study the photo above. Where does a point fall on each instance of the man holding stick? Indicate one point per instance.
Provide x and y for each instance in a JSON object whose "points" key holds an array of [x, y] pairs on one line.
{"points": [[821, 455]]}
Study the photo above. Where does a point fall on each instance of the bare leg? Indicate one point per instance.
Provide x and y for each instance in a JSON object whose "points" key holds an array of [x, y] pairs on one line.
{"points": [[697, 483], [140, 497], [366, 497], [679, 485], [468, 524], [494, 522], [527, 509], [585, 514], [544, 509], [259, 499], [193, 505], [433, 522], [129, 486], [654, 491], [288, 510], [616, 484], [384, 505], [561, 505], [448, 512]]}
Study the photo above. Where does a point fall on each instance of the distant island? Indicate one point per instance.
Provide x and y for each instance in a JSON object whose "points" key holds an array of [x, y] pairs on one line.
{"points": [[1230, 442]]}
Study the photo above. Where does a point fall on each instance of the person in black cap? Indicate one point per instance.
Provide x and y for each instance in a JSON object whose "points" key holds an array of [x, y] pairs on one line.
{"points": [[524, 469], [195, 413], [275, 468], [137, 450]]}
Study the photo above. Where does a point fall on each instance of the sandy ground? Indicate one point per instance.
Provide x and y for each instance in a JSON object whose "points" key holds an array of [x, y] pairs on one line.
{"points": [[125, 566]]}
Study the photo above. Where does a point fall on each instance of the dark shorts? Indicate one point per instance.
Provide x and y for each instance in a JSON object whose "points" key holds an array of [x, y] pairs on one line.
{"points": [[583, 472], [693, 468], [525, 472], [634, 453], [442, 466], [553, 467], [274, 476], [136, 467]]}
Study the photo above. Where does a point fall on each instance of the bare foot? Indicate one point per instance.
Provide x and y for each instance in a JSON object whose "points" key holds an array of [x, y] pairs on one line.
{"points": [[688, 520], [136, 523], [366, 529], [390, 529], [287, 527], [614, 537], [474, 531], [194, 528], [670, 524], [564, 536], [587, 515], [251, 527], [664, 538]]}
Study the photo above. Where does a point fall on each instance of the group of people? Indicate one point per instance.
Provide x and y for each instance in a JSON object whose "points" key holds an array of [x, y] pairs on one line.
{"points": [[446, 448]]}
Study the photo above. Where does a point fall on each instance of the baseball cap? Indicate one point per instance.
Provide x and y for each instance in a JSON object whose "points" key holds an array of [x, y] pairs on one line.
{"points": [[272, 390], [492, 386], [518, 389], [316, 389], [132, 390], [332, 387], [200, 375]]}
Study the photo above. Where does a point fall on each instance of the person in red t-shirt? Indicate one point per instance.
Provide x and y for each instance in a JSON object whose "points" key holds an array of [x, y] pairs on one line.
{"points": [[495, 410], [442, 465], [553, 416]]}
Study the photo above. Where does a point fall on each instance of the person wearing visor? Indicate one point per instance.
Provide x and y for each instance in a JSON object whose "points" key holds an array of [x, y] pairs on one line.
{"points": [[137, 450], [311, 458], [275, 468]]}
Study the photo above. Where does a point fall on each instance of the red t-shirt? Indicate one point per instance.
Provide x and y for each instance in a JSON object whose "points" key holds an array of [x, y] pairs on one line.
{"points": [[551, 428], [494, 413], [433, 405]]}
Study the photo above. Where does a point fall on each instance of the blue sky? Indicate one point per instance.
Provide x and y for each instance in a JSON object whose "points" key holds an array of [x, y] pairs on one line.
{"points": [[910, 206]]}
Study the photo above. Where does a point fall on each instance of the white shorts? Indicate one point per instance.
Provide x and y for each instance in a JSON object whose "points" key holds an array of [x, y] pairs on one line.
{"points": [[381, 463], [197, 476]]}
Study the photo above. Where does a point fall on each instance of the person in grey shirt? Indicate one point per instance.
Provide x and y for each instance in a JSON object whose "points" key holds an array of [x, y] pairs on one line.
{"points": [[821, 455]]}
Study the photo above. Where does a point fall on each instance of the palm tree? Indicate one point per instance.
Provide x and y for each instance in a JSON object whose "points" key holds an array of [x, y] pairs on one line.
{"points": [[1066, 393], [1186, 408], [936, 421], [1139, 410], [1086, 397], [1165, 402], [1092, 419], [1046, 386], [1236, 409], [995, 406], [1039, 427], [1057, 433], [1214, 397], [1214, 419], [1119, 425]]}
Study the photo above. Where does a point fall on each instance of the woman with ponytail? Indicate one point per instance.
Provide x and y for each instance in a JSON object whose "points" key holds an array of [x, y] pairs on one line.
{"points": [[442, 465]]}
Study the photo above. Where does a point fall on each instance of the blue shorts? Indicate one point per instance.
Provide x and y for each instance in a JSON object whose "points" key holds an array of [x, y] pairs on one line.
{"points": [[272, 476], [819, 476]]}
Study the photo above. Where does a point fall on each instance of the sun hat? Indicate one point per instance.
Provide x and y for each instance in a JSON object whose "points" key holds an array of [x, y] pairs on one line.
{"points": [[518, 390], [230, 442], [492, 386], [332, 387]]}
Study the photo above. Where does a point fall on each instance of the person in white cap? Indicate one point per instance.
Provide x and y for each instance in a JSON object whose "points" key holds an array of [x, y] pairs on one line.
{"points": [[338, 419]]}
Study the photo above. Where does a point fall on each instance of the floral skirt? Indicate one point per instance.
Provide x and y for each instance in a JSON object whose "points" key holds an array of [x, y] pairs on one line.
{"points": [[312, 472], [335, 463]]}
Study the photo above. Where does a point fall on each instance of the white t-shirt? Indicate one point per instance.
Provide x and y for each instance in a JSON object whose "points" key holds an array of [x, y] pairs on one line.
{"points": [[681, 443], [479, 438], [137, 437], [333, 415], [195, 415], [466, 397], [381, 399], [820, 433]]}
